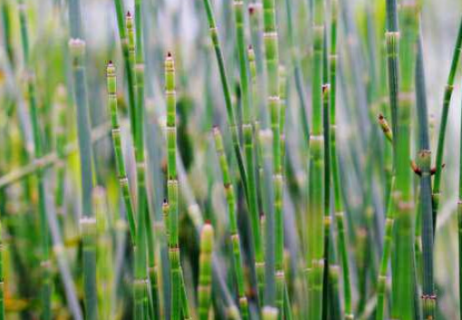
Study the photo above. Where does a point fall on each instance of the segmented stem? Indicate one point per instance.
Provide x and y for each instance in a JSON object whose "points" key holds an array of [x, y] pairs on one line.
{"points": [[205, 271], [449, 88], [234, 235], [127, 50], [227, 93], [248, 134], [117, 143], [403, 301], [270, 38]]}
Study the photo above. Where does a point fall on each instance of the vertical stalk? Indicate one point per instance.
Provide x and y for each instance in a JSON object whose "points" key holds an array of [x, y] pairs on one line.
{"points": [[46, 288], [327, 177], [444, 119], [172, 189], [387, 246], [424, 164], [88, 222], [315, 253], [141, 276], [403, 301], [270, 38], [128, 62], [227, 93], [117, 144], [235, 239], [248, 133], [205, 271], [338, 202]]}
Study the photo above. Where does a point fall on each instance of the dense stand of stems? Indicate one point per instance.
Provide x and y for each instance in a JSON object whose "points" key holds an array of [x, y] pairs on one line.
{"points": [[128, 62], [227, 93], [234, 234], [46, 289], [247, 130]]}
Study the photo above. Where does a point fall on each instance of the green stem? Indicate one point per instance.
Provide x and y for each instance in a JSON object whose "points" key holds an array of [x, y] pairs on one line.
{"points": [[205, 273], [248, 133], [117, 143], [172, 189], [46, 288], [444, 119], [424, 163], [316, 190], [234, 235], [227, 93], [403, 301], [270, 38], [128, 61]]}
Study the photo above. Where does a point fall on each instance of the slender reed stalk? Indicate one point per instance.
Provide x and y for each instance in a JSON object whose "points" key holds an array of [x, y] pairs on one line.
{"points": [[392, 43], [46, 289], [270, 38], [117, 143], [316, 190], [449, 88], [327, 178], [424, 164], [104, 252], [205, 273], [338, 202], [172, 190], [227, 93], [88, 221], [387, 247], [142, 302], [247, 129], [235, 239], [124, 36], [403, 301]]}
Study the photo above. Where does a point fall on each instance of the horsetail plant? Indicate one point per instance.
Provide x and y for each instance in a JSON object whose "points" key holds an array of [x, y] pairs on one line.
{"points": [[336, 183], [46, 289], [87, 221], [172, 188], [127, 43], [404, 298], [424, 171], [247, 131], [205, 273], [449, 88], [117, 143], [270, 38], [315, 254], [227, 93], [235, 239]]}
